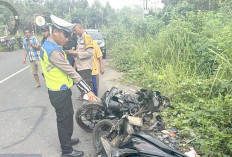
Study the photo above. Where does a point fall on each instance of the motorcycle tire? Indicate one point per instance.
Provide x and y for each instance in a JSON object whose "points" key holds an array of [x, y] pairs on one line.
{"points": [[89, 115], [102, 128]]}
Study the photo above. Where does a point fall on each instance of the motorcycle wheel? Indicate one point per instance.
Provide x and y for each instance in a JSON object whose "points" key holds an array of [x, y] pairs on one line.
{"points": [[89, 115], [101, 129], [11, 48]]}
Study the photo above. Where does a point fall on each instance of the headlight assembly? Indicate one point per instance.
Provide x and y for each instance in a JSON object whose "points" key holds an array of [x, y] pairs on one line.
{"points": [[102, 44]]}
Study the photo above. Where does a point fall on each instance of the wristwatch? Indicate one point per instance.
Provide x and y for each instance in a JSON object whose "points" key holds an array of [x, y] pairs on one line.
{"points": [[84, 86]]}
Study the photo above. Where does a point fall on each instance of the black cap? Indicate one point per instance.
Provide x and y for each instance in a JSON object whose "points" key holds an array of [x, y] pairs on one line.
{"points": [[44, 28], [76, 21]]}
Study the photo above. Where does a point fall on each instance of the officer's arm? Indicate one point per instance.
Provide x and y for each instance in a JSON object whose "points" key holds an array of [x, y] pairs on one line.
{"points": [[57, 58], [89, 50], [88, 53]]}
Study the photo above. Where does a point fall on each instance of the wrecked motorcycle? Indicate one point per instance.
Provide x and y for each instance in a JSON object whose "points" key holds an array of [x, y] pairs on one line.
{"points": [[116, 103], [112, 138], [8, 41]]}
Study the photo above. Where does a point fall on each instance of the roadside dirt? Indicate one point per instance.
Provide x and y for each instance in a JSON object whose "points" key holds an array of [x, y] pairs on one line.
{"points": [[111, 78]]}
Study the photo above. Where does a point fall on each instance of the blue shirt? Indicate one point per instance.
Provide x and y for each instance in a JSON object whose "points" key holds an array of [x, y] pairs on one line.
{"points": [[32, 53]]}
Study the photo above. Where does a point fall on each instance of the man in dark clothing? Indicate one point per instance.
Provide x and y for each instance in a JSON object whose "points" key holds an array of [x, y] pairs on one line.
{"points": [[71, 44], [45, 33]]}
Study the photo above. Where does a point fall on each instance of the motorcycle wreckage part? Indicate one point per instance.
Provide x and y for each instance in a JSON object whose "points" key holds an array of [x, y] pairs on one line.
{"points": [[89, 115], [103, 129], [111, 134], [145, 137]]}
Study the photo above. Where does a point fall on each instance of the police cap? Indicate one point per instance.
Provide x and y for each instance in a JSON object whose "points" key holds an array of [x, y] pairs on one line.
{"points": [[59, 23]]}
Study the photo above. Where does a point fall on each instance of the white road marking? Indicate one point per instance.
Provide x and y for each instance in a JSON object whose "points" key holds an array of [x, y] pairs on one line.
{"points": [[13, 74]]}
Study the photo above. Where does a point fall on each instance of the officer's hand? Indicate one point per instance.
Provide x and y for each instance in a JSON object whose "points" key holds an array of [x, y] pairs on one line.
{"points": [[92, 97], [73, 52], [75, 65]]}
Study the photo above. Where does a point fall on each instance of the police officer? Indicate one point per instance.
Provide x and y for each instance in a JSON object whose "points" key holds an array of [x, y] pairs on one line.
{"points": [[60, 76], [84, 54]]}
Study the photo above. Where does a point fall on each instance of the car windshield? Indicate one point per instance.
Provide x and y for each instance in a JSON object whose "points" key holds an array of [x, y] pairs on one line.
{"points": [[96, 36]]}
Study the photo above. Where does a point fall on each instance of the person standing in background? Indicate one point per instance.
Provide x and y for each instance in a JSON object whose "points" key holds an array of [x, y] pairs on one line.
{"points": [[31, 48], [71, 44], [45, 33], [84, 54], [97, 57]]}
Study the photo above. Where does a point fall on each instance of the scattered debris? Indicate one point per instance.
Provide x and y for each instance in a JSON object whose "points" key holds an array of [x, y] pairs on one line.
{"points": [[191, 153], [192, 134], [157, 126]]}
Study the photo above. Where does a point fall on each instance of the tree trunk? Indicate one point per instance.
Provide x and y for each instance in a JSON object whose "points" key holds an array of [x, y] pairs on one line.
{"points": [[209, 4]]}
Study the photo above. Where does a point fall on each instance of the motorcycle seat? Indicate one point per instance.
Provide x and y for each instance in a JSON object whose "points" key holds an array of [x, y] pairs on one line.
{"points": [[144, 135]]}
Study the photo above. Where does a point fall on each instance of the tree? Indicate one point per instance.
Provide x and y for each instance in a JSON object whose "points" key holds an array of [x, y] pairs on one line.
{"points": [[83, 4], [199, 4], [108, 15], [96, 14]]}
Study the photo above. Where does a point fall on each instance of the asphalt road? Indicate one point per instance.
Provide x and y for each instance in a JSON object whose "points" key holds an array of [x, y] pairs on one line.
{"points": [[27, 119]]}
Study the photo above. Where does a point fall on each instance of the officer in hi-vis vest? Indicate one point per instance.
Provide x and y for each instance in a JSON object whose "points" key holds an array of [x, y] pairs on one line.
{"points": [[60, 76]]}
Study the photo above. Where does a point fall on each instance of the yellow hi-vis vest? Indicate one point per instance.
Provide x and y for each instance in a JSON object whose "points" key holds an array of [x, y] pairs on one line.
{"points": [[55, 78]]}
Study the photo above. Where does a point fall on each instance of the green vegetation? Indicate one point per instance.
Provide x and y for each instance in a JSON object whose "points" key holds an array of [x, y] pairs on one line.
{"points": [[95, 16], [186, 52]]}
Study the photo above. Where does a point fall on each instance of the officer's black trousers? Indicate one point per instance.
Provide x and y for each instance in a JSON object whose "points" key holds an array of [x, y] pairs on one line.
{"points": [[62, 102]]}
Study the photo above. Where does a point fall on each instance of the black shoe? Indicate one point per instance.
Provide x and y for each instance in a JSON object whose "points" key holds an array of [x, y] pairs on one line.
{"points": [[75, 141], [74, 153]]}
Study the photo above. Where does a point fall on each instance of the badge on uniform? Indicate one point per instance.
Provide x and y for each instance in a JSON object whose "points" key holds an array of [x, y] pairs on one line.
{"points": [[88, 41], [61, 55]]}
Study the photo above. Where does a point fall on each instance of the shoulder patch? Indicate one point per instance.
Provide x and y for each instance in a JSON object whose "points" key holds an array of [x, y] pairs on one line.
{"points": [[88, 41], [61, 55]]}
